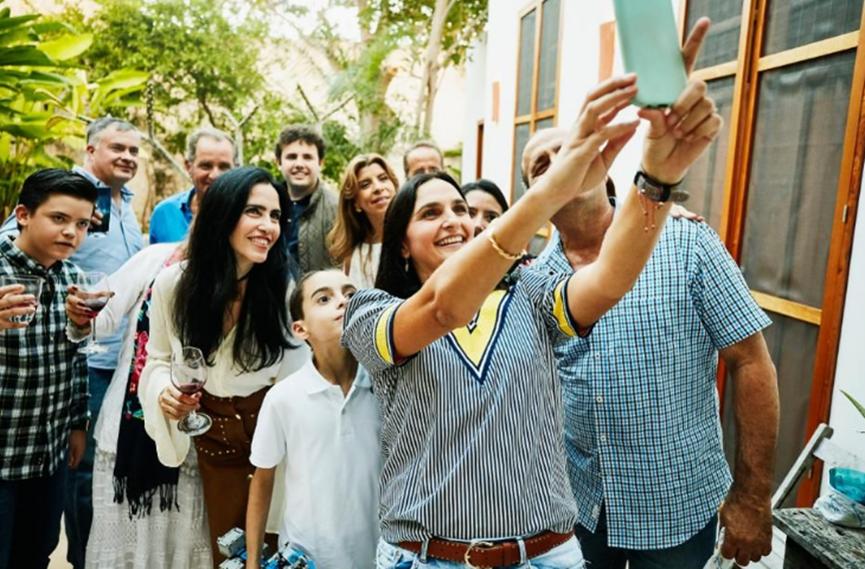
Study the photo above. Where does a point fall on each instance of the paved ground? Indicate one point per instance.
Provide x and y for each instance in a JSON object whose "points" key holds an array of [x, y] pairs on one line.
{"points": [[58, 559]]}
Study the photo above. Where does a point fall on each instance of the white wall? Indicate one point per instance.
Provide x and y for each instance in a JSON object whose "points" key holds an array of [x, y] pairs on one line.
{"points": [[578, 74], [850, 370], [476, 92], [497, 65]]}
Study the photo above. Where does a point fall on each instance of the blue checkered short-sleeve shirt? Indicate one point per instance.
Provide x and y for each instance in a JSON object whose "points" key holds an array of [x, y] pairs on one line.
{"points": [[642, 431]]}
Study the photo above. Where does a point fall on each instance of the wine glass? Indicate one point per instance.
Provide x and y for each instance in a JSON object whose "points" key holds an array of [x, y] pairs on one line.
{"points": [[188, 375], [32, 285], [94, 292]]}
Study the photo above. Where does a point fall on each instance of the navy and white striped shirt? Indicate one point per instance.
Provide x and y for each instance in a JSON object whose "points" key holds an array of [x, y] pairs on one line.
{"points": [[472, 424], [641, 407]]}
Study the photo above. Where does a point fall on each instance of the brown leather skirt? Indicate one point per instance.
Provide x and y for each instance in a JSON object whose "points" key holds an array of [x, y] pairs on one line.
{"points": [[223, 458]]}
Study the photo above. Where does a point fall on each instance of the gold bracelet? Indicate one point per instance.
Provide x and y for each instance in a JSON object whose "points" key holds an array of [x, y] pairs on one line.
{"points": [[491, 237]]}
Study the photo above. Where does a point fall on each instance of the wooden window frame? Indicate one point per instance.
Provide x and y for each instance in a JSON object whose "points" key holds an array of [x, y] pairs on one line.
{"points": [[750, 63], [533, 117], [479, 148]]}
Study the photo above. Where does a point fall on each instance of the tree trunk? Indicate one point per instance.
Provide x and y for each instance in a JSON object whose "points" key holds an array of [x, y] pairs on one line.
{"points": [[431, 68]]}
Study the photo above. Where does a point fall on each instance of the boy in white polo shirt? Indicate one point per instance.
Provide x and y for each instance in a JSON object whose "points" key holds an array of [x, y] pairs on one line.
{"points": [[323, 421]]}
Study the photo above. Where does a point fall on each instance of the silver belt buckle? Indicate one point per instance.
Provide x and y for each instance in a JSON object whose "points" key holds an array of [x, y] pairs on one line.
{"points": [[475, 544]]}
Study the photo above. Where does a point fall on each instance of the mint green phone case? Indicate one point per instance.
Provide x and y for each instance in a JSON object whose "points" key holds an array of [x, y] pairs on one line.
{"points": [[650, 48]]}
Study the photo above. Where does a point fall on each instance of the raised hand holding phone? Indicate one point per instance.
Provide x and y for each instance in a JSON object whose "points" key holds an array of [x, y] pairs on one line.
{"points": [[679, 134]]}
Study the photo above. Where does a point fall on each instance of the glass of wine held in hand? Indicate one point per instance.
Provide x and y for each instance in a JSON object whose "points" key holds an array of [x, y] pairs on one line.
{"points": [[95, 294], [188, 375], [32, 288]]}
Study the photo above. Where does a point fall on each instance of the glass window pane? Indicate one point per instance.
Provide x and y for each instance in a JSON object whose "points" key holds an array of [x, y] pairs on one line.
{"points": [[527, 63], [798, 143], [722, 45], [549, 55], [792, 345], [705, 180], [791, 23], [521, 137], [545, 123]]}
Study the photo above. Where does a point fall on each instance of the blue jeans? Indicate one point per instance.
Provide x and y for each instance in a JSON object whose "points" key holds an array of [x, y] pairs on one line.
{"points": [[692, 554], [78, 508], [30, 513], [565, 556]]}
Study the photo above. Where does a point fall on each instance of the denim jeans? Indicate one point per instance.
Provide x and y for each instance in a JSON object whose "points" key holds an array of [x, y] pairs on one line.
{"points": [[78, 508], [692, 554], [565, 556], [30, 513]]}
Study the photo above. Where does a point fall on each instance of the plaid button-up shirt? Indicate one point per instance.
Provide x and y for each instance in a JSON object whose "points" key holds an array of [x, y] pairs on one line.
{"points": [[642, 431], [43, 378]]}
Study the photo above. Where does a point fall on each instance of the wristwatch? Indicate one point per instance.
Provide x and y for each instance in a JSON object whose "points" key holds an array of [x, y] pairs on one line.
{"points": [[658, 191]]}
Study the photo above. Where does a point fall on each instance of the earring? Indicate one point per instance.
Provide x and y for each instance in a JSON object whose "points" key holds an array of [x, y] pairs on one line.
{"points": [[406, 264], [357, 209]]}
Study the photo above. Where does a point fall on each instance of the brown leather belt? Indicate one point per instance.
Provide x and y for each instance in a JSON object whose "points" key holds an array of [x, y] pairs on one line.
{"points": [[487, 553]]}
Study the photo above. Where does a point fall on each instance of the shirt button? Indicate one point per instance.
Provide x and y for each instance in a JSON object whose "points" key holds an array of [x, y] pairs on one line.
{"points": [[597, 355], [603, 438], [599, 399], [596, 511]]}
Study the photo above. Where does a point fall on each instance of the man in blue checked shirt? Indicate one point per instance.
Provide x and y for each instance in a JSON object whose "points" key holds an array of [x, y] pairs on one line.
{"points": [[111, 161], [642, 430]]}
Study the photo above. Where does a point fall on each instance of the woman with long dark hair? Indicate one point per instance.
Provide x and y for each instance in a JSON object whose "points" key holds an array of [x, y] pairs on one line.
{"points": [[474, 468], [367, 187], [229, 301], [486, 202]]}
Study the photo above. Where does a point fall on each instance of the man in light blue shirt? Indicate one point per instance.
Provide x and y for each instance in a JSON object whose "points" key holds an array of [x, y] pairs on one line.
{"points": [[111, 162], [642, 435], [209, 154]]}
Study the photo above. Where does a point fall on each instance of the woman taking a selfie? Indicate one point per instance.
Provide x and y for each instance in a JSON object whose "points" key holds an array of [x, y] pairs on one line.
{"points": [[474, 470], [227, 301]]}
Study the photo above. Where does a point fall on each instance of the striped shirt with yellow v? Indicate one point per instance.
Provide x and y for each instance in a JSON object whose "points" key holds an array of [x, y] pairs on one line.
{"points": [[472, 424]]}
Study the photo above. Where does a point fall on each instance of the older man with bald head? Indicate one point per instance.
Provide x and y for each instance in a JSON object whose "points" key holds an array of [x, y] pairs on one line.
{"points": [[642, 433]]}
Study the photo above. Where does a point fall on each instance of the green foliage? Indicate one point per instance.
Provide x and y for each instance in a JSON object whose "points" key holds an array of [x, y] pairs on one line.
{"points": [[859, 407], [44, 99], [201, 63], [361, 70]]}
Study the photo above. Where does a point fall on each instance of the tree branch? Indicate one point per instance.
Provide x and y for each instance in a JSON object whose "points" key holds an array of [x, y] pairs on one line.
{"points": [[308, 103]]}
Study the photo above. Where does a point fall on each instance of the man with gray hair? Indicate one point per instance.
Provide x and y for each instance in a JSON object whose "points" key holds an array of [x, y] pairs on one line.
{"points": [[209, 154], [110, 162], [423, 157]]}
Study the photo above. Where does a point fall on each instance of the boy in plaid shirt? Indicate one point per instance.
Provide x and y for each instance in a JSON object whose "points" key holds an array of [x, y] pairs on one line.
{"points": [[43, 379]]}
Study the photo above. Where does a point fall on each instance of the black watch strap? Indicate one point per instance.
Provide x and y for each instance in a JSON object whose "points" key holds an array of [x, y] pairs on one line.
{"points": [[658, 191]]}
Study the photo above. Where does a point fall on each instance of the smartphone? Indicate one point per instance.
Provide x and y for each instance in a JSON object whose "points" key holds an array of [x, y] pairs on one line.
{"points": [[103, 206], [649, 42]]}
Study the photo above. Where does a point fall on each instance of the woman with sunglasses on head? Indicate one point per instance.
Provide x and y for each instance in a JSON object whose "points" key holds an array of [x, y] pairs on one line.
{"points": [[474, 470], [367, 187], [228, 300]]}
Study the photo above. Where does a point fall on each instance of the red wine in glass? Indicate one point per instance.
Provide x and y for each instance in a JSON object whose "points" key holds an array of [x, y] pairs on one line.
{"points": [[190, 388], [188, 375], [95, 304], [94, 291]]}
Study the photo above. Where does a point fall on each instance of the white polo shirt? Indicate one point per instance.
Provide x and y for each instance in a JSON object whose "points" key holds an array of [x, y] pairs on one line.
{"points": [[330, 443]]}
